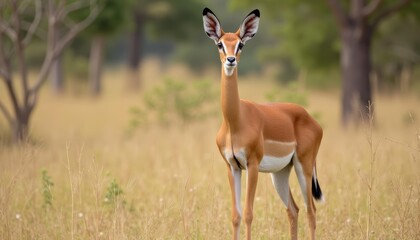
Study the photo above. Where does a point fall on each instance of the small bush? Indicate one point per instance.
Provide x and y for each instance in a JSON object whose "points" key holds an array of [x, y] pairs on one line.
{"points": [[113, 193], [175, 100], [292, 94], [47, 185]]}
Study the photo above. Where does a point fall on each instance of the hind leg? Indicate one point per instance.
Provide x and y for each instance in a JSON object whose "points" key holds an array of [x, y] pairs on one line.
{"points": [[304, 175], [281, 183]]}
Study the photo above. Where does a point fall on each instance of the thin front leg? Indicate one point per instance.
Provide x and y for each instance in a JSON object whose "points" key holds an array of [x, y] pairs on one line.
{"points": [[235, 187], [251, 186]]}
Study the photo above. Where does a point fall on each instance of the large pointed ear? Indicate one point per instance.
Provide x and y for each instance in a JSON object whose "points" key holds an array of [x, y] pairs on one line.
{"points": [[249, 26], [212, 25]]}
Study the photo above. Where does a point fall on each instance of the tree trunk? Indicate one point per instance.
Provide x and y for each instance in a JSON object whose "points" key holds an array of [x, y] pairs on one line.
{"points": [[355, 67], [20, 126], [56, 72], [95, 65], [134, 58], [405, 78], [56, 75]]}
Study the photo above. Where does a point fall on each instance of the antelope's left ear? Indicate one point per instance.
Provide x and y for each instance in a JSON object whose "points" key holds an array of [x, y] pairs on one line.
{"points": [[249, 26]]}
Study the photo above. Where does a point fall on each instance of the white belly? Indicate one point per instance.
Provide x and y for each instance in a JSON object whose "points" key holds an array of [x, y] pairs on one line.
{"points": [[276, 156], [270, 164]]}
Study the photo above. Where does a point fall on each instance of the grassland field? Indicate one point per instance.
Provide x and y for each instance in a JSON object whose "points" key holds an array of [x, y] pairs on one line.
{"points": [[174, 182]]}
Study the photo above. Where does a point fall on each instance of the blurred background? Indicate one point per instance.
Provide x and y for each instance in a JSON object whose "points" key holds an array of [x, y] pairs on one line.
{"points": [[109, 111], [358, 48]]}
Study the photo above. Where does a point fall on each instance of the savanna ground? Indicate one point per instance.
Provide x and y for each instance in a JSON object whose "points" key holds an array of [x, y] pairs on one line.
{"points": [[87, 175]]}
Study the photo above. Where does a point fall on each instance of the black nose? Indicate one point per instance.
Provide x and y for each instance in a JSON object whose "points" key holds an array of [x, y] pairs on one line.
{"points": [[230, 59]]}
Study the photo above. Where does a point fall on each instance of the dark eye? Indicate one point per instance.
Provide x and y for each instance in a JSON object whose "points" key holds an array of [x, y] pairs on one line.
{"points": [[220, 45], [240, 46]]}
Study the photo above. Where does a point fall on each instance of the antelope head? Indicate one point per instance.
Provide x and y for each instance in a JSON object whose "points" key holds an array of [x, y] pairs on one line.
{"points": [[230, 44]]}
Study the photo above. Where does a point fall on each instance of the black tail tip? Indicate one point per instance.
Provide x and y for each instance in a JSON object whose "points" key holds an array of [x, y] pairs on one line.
{"points": [[316, 190]]}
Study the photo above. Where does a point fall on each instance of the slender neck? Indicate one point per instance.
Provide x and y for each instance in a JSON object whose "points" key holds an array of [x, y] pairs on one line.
{"points": [[230, 99]]}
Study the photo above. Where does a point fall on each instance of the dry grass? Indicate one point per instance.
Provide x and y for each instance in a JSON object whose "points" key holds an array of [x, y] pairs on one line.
{"points": [[174, 181]]}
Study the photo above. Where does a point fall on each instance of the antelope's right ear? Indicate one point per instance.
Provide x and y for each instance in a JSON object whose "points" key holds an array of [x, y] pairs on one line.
{"points": [[212, 25]]}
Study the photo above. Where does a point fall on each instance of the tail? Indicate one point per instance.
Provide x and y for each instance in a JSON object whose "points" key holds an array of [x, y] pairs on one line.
{"points": [[316, 189]]}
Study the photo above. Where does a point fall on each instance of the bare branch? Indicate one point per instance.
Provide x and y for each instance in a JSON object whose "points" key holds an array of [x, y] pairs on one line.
{"points": [[13, 97], [35, 23], [340, 15], [16, 15], [389, 11], [372, 7], [4, 67], [4, 24], [3, 73], [5, 30], [6, 113], [60, 45], [77, 28], [4, 63], [4, 27]]}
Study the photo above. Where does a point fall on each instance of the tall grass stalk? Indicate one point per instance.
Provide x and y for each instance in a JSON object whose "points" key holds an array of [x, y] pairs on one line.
{"points": [[71, 191], [160, 159], [371, 178]]}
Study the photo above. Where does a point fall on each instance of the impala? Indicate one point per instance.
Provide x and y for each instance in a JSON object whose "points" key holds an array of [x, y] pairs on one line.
{"points": [[269, 138]]}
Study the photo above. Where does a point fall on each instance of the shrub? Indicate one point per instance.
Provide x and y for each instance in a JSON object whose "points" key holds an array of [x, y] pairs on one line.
{"points": [[175, 100], [47, 185]]}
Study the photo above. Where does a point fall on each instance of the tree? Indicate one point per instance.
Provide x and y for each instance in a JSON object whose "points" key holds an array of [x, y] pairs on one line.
{"points": [[394, 68], [169, 19], [356, 21], [56, 71], [16, 36], [109, 21]]}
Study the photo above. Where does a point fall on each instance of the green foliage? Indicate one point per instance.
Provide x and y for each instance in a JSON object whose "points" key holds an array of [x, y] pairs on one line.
{"points": [[171, 19], [111, 19], [113, 193], [291, 93], [139, 118], [175, 100], [76, 67], [308, 35], [402, 44], [47, 185]]}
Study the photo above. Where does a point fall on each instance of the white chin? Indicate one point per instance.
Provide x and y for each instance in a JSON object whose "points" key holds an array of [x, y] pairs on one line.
{"points": [[229, 69]]}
